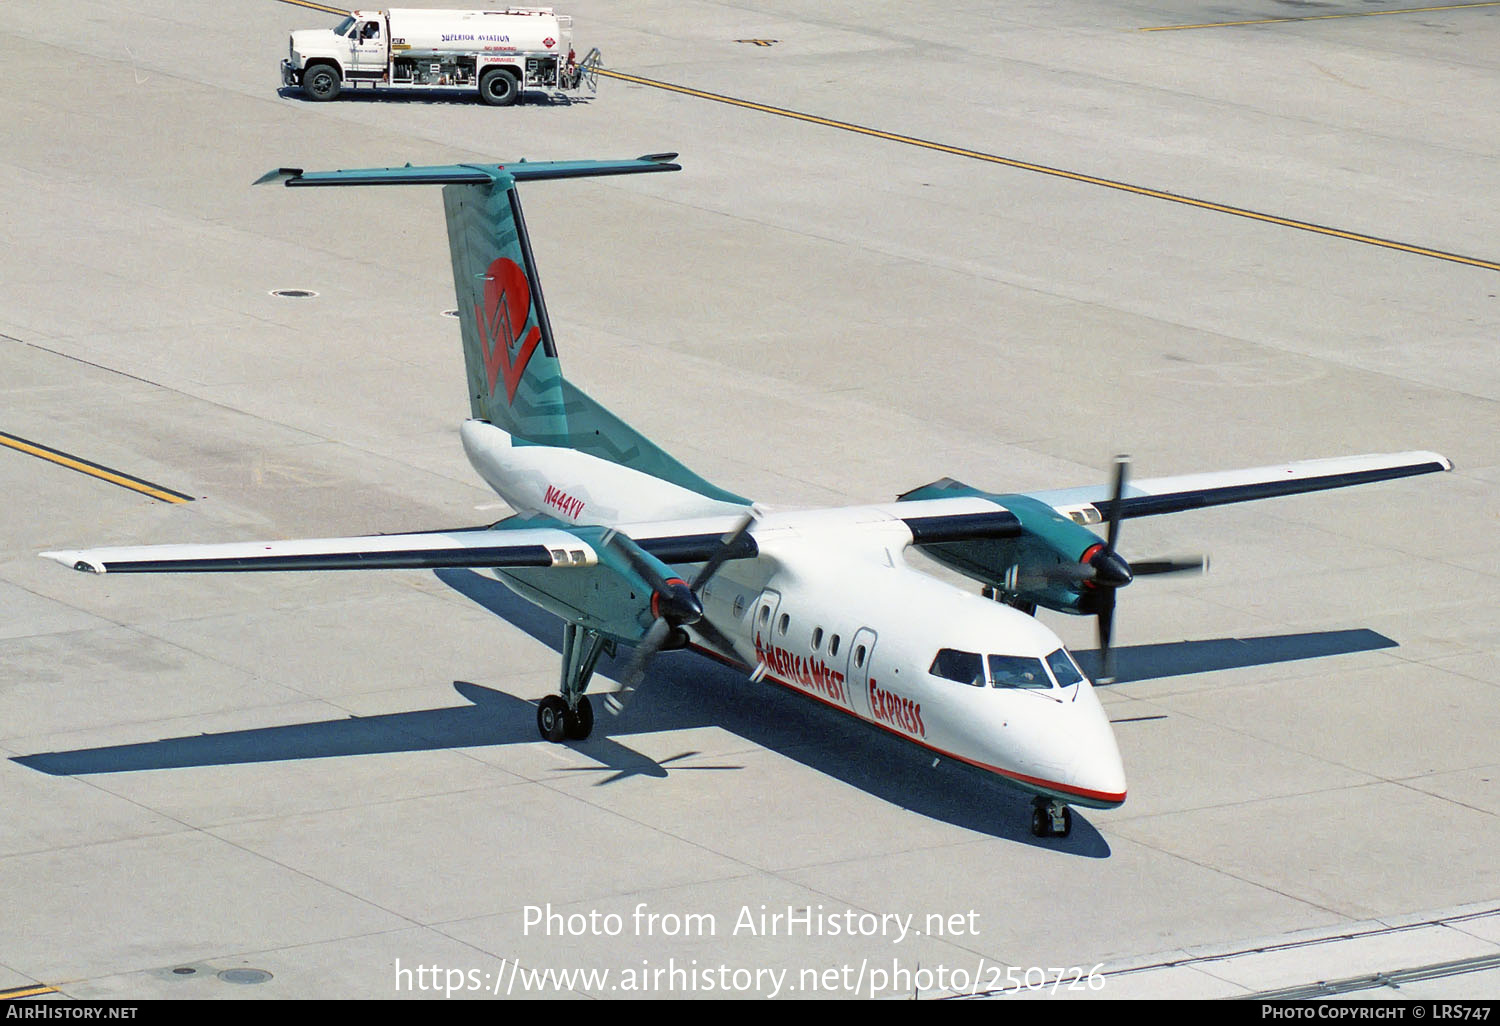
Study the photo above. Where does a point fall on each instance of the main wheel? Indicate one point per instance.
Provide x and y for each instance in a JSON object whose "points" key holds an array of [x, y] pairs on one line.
{"points": [[321, 82], [551, 718], [579, 723], [1041, 823], [499, 88], [1067, 827]]}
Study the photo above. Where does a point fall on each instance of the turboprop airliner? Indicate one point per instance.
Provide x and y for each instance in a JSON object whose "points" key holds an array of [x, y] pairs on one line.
{"points": [[627, 545]]}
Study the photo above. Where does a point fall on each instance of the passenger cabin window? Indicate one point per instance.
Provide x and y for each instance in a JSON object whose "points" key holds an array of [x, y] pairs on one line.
{"points": [[833, 645], [859, 657], [964, 667], [1018, 672], [817, 638], [1063, 669], [783, 623]]}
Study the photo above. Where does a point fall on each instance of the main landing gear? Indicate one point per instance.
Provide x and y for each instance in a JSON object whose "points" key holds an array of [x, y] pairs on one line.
{"points": [[997, 595], [1050, 818], [569, 716]]}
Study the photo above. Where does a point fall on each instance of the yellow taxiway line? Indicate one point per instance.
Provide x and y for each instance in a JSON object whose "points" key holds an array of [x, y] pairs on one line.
{"points": [[1108, 183], [334, 10], [84, 466]]}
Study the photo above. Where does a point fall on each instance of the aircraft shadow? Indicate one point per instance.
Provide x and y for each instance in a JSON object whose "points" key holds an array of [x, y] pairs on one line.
{"points": [[683, 690], [1151, 662]]}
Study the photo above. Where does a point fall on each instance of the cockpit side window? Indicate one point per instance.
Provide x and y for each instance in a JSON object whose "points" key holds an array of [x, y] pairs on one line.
{"points": [[1063, 669], [964, 667], [1018, 672]]}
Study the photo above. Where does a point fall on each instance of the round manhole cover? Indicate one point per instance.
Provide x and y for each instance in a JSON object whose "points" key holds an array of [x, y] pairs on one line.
{"points": [[294, 293], [244, 976]]}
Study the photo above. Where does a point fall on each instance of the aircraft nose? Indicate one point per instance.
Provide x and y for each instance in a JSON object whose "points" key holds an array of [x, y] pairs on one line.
{"points": [[1096, 771]]}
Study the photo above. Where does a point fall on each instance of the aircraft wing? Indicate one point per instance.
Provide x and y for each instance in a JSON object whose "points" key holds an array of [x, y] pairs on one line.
{"points": [[1048, 556], [511, 544], [1155, 496]]}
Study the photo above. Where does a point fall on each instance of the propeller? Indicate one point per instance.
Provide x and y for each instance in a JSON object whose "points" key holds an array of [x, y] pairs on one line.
{"points": [[674, 604], [1105, 571]]}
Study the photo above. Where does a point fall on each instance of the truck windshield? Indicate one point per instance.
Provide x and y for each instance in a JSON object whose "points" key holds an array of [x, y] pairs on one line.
{"points": [[344, 27]]}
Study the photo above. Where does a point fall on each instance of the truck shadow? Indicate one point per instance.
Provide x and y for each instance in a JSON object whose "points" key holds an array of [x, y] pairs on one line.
{"points": [[529, 98]]}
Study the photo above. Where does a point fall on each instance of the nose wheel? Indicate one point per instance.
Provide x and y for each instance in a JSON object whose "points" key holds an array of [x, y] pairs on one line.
{"points": [[1050, 818]]}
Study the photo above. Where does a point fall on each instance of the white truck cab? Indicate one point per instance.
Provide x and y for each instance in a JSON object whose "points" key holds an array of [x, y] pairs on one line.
{"points": [[498, 53]]}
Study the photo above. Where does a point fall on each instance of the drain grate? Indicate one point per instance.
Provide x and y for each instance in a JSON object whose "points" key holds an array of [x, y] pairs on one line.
{"points": [[294, 293]]}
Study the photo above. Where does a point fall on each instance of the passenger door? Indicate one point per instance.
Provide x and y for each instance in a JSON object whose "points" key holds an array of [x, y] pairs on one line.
{"points": [[762, 625], [857, 671]]}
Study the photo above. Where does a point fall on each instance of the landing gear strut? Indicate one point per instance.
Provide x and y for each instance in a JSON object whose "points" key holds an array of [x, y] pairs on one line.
{"points": [[569, 715], [995, 594], [1050, 818]]}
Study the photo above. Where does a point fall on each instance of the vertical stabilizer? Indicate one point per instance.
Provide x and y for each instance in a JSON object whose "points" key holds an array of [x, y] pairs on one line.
{"points": [[515, 380]]}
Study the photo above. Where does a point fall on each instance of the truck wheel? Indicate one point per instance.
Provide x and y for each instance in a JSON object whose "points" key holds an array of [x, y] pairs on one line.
{"points": [[499, 88], [321, 82]]}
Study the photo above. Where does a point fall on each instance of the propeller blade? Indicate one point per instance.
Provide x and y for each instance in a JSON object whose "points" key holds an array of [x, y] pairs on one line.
{"points": [[1106, 629], [635, 670], [726, 549], [714, 637], [671, 597], [1122, 465], [1058, 573], [1170, 565], [648, 572]]}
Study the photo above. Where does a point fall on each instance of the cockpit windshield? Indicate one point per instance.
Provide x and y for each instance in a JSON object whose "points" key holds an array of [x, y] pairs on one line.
{"points": [[1064, 669], [1004, 671], [1018, 672], [343, 27]]}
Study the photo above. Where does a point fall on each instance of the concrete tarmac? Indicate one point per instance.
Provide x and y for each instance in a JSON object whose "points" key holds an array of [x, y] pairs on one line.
{"points": [[292, 786]]}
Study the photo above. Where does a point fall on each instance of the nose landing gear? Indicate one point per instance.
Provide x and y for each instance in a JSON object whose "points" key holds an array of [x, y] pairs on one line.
{"points": [[1050, 818]]}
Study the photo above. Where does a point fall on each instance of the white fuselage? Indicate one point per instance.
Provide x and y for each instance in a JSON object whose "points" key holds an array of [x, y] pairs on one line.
{"points": [[831, 609]]}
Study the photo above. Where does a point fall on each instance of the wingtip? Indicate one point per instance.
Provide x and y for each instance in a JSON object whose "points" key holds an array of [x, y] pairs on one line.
{"points": [[278, 174], [74, 561]]}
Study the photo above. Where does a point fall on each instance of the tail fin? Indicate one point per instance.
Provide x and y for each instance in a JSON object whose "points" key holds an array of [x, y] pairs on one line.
{"points": [[515, 379]]}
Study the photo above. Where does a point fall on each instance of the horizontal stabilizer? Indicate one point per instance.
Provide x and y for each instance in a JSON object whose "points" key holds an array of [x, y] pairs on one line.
{"points": [[474, 174]]}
